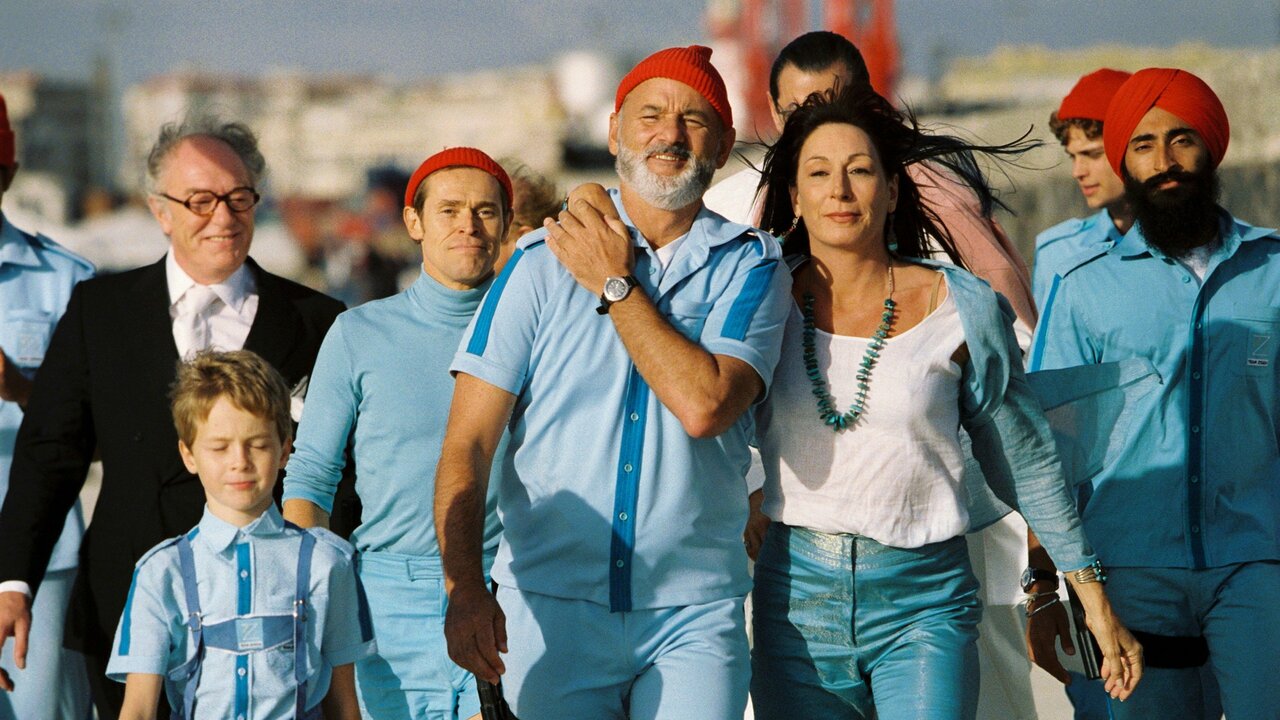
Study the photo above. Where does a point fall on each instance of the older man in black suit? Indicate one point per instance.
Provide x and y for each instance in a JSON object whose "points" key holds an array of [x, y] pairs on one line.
{"points": [[106, 376]]}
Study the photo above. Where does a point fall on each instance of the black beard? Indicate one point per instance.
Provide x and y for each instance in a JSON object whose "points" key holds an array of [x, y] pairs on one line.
{"points": [[1179, 219]]}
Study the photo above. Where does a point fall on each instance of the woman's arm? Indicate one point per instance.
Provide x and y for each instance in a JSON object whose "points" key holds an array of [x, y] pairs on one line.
{"points": [[340, 702], [141, 696]]}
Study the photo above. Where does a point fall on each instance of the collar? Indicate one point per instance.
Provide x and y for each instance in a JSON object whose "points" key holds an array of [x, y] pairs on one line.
{"points": [[429, 295], [232, 292], [709, 229], [15, 247], [1232, 232], [219, 535]]}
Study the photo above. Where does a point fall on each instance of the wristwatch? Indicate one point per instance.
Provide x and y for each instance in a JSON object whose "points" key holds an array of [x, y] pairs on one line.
{"points": [[1032, 575], [616, 289]]}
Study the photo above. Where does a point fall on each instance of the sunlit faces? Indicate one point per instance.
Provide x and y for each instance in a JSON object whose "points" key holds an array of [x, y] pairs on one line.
{"points": [[461, 225], [1164, 143], [841, 190], [237, 455], [208, 248], [795, 85], [1098, 183], [669, 143]]}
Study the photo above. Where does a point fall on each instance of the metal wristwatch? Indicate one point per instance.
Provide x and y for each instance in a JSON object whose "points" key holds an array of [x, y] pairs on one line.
{"points": [[1032, 575], [616, 289]]}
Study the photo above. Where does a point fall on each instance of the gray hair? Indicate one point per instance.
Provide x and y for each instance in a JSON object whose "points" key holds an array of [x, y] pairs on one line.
{"points": [[236, 136]]}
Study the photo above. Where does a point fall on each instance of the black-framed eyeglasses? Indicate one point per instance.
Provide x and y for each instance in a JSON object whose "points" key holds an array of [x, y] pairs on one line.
{"points": [[204, 203]]}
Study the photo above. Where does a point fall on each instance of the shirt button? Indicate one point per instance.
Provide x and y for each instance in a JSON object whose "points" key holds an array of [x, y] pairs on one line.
{"points": [[1195, 428], [1195, 528], [626, 468], [635, 417], [1195, 376], [623, 516], [241, 671], [621, 563], [1195, 479], [243, 574], [1186, 278], [1199, 325]]}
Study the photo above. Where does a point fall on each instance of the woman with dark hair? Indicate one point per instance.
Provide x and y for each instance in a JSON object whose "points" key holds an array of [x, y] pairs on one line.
{"points": [[864, 596]]}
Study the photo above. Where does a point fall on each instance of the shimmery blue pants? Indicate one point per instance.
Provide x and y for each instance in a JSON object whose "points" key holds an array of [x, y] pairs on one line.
{"points": [[411, 677], [575, 659], [845, 625], [1237, 610]]}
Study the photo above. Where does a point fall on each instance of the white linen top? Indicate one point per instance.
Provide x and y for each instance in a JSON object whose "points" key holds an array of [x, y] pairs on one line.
{"points": [[895, 475]]}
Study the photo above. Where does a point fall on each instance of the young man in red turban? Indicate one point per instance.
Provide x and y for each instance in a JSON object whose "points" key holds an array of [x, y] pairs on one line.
{"points": [[1184, 513], [1077, 123]]}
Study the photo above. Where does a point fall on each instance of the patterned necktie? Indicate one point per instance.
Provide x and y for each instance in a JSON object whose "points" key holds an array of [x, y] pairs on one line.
{"points": [[191, 328]]}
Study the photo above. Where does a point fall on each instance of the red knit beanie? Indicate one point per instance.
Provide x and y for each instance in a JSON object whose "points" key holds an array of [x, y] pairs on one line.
{"points": [[1092, 93], [458, 157], [689, 65], [6, 136], [1177, 91]]}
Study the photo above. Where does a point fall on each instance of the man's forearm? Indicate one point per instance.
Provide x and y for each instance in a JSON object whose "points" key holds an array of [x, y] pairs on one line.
{"points": [[689, 381], [459, 514]]}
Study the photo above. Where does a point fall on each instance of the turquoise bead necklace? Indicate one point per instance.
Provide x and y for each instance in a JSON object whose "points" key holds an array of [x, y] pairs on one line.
{"points": [[826, 404]]}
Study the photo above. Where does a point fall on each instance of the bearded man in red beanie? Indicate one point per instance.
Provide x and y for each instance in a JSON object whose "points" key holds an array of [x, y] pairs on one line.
{"points": [[622, 354], [1186, 511]]}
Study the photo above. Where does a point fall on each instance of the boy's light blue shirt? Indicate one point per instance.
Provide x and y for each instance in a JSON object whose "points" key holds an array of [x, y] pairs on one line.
{"points": [[381, 385], [611, 500], [254, 565], [1066, 245], [36, 278], [1197, 482]]}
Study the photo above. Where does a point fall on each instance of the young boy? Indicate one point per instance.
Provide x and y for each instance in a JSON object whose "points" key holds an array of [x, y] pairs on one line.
{"points": [[244, 617]]}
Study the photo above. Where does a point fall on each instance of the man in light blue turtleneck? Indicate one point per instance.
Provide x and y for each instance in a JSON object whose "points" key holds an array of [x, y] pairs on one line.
{"points": [[381, 388]]}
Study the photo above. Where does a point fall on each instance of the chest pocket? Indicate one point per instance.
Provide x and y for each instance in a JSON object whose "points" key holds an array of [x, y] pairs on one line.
{"points": [[688, 317], [25, 334], [1253, 338]]}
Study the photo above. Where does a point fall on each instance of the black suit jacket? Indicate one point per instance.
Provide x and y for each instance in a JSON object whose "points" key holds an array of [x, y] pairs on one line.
{"points": [[104, 385]]}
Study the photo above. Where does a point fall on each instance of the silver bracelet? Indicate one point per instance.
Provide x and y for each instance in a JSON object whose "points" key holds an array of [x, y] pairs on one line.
{"points": [[1033, 596], [1093, 572], [1051, 603]]}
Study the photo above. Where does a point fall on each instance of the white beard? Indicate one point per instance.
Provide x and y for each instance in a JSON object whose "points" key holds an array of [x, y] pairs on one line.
{"points": [[665, 193]]}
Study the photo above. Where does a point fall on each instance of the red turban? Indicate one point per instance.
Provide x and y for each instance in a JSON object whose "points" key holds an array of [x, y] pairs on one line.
{"points": [[689, 65], [1176, 91], [458, 157], [1092, 93], [6, 136]]}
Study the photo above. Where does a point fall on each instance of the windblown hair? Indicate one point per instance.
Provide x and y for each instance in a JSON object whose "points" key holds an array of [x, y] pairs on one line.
{"points": [[237, 136], [819, 50], [537, 196], [1061, 127], [242, 377], [914, 229]]}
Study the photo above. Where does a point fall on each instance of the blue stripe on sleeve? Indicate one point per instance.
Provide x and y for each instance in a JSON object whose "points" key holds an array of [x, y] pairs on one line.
{"points": [[125, 625], [480, 334], [748, 301], [1037, 350]]}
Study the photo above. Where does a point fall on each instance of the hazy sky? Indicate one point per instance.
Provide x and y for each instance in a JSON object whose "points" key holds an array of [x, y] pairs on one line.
{"points": [[411, 38]]}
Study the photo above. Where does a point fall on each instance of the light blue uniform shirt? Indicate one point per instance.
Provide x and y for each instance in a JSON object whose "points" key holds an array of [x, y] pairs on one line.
{"points": [[36, 278], [243, 571], [1065, 246], [381, 383], [1197, 482], [611, 500]]}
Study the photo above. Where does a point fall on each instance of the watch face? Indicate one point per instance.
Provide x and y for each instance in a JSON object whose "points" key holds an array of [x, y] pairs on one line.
{"points": [[615, 288]]}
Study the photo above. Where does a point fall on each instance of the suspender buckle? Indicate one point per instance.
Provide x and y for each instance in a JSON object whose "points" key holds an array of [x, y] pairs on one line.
{"points": [[300, 610], [194, 621]]}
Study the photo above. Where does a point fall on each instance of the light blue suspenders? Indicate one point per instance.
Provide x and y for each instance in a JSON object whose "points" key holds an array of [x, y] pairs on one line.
{"points": [[246, 635]]}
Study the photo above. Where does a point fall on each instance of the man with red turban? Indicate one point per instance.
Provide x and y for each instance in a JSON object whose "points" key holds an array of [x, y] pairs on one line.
{"points": [[1185, 513], [1077, 123], [622, 353]]}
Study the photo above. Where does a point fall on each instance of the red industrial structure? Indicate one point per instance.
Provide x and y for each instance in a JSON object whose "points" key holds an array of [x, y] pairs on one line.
{"points": [[761, 27]]}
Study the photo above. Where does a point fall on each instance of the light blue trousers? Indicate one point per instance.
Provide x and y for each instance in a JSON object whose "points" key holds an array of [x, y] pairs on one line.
{"points": [[55, 685], [411, 677], [575, 659], [845, 626], [1237, 610]]}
